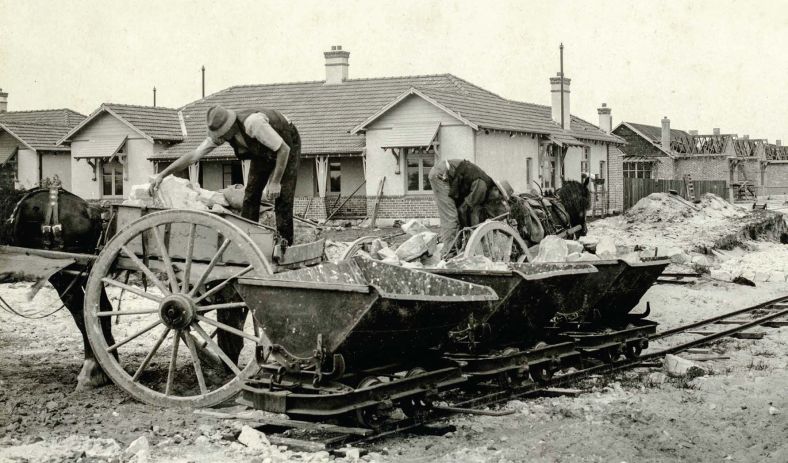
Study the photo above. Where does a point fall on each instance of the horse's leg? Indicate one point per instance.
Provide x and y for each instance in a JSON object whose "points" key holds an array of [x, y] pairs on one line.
{"points": [[91, 375]]}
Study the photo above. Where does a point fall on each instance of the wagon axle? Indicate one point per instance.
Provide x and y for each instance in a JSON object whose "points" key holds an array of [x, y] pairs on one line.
{"points": [[177, 311]]}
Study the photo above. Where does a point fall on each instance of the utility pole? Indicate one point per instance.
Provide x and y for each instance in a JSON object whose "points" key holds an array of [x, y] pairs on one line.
{"points": [[562, 84], [154, 96], [203, 81]]}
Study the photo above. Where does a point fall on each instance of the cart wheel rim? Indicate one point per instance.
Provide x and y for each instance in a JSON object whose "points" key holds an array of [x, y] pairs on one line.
{"points": [[180, 316], [497, 241]]}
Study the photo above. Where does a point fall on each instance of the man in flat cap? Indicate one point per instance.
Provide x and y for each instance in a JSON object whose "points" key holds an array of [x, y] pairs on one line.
{"points": [[272, 145]]}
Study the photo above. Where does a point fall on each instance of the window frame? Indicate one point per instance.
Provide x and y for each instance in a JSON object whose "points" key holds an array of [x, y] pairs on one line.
{"points": [[331, 164], [116, 172], [423, 171], [229, 165], [638, 169], [529, 177], [585, 161]]}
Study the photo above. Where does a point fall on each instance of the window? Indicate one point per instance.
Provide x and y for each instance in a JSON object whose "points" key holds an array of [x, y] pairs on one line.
{"points": [[637, 170], [418, 162], [335, 177], [602, 169], [584, 161], [232, 174], [181, 173], [528, 175], [111, 179]]}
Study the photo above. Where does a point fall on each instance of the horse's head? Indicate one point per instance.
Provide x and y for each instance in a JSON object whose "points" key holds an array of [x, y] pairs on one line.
{"points": [[576, 199]]}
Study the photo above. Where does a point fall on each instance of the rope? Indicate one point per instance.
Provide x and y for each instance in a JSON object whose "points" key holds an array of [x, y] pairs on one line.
{"points": [[8, 308]]}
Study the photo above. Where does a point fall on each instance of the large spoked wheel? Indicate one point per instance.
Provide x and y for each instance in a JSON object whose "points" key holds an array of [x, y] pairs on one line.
{"points": [[176, 309], [361, 244], [497, 241]]}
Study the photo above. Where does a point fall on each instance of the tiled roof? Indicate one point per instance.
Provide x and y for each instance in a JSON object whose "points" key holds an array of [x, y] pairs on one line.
{"points": [[63, 117], [154, 122], [655, 133], [157, 122], [324, 114], [37, 136]]}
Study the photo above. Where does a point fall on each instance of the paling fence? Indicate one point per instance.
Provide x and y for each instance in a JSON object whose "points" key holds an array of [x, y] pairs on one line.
{"points": [[637, 188]]}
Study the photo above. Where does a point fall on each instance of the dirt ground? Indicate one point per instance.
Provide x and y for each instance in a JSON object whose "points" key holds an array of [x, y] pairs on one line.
{"points": [[737, 412]]}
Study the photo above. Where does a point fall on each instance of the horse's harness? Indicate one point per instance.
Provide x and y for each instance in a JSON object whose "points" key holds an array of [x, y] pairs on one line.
{"points": [[51, 228]]}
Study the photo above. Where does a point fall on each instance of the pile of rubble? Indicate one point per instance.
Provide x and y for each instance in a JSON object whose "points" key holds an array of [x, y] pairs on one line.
{"points": [[179, 193]]}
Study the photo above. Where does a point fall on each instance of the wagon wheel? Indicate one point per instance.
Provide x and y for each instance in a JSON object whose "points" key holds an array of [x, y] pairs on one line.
{"points": [[356, 246], [166, 354], [498, 242]]}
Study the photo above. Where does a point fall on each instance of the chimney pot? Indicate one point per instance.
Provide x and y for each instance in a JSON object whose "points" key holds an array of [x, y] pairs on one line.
{"points": [[605, 118], [555, 92], [715, 131], [666, 133], [337, 65], [3, 101]]}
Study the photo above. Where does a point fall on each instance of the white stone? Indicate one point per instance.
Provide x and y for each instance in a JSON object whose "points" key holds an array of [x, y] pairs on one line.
{"points": [[668, 251], [631, 257], [606, 247], [678, 367], [140, 443], [352, 454], [773, 410], [552, 249], [721, 275], [588, 240], [680, 258], [387, 253], [777, 276], [253, 438], [573, 257], [413, 227], [588, 257], [418, 245], [573, 246], [761, 276], [701, 260]]}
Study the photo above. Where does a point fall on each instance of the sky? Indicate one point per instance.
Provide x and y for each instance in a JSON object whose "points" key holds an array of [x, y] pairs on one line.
{"points": [[703, 64]]}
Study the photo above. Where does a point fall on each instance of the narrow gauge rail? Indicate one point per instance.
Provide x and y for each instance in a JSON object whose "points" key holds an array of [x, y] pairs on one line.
{"points": [[325, 436]]}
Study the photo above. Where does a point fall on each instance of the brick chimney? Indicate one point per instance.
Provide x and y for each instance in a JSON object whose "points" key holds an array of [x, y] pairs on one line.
{"points": [[3, 101], [605, 118], [715, 131], [666, 133], [336, 65], [555, 91]]}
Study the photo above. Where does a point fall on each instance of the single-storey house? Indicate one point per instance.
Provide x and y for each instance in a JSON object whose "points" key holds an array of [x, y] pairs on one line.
{"points": [[29, 152], [667, 153], [365, 136], [111, 148]]}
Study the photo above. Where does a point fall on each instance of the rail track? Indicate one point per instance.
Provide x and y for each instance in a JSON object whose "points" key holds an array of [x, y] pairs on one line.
{"points": [[312, 436]]}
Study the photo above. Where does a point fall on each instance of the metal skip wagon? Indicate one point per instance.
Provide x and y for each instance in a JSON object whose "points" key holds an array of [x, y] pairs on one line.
{"points": [[169, 281]]}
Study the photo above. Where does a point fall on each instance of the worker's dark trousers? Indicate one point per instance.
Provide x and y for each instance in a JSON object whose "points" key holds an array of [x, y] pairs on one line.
{"points": [[259, 172]]}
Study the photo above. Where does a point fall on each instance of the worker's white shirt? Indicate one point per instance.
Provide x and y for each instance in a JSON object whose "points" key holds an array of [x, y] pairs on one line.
{"points": [[256, 126]]}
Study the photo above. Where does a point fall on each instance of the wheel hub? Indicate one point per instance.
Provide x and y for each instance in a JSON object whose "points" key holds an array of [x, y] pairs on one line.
{"points": [[177, 311]]}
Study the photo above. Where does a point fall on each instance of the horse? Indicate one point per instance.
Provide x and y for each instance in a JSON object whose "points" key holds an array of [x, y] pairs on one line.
{"points": [[536, 216], [77, 228]]}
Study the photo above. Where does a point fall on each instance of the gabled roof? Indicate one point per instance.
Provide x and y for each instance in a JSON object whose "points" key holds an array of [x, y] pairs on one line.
{"points": [[60, 117], [36, 136], [154, 123], [682, 143], [327, 114]]}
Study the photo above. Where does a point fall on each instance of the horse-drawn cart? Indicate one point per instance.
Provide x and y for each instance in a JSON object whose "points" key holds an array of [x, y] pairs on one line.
{"points": [[182, 336]]}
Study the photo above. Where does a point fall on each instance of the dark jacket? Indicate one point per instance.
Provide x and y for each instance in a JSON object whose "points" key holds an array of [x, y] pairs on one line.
{"points": [[253, 147], [462, 179]]}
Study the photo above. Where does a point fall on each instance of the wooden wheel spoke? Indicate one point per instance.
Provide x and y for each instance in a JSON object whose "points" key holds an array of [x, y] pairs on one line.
{"points": [[211, 265], [150, 355], [131, 289], [145, 270], [133, 336], [224, 283], [165, 255], [173, 360], [112, 313], [196, 362], [226, 305], [215, 347], [187, 270], [227, 328]]}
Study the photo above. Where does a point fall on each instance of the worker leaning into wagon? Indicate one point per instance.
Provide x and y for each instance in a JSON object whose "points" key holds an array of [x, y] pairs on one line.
{"points": [[465, 196], [270, 142]]}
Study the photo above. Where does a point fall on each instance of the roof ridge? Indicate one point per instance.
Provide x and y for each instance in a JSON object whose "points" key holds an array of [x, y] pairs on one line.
{"points": [[38, 124], [138, 106], [28, 111]]}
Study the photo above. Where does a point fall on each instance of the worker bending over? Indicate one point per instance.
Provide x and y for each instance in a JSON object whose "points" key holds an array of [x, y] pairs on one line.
{"points": [[270, 142], [465, 196]]}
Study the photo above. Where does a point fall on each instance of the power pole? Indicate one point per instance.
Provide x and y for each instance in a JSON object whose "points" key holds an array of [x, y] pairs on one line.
{"points": [[154, 96], [562, 84], [203, 81]]}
